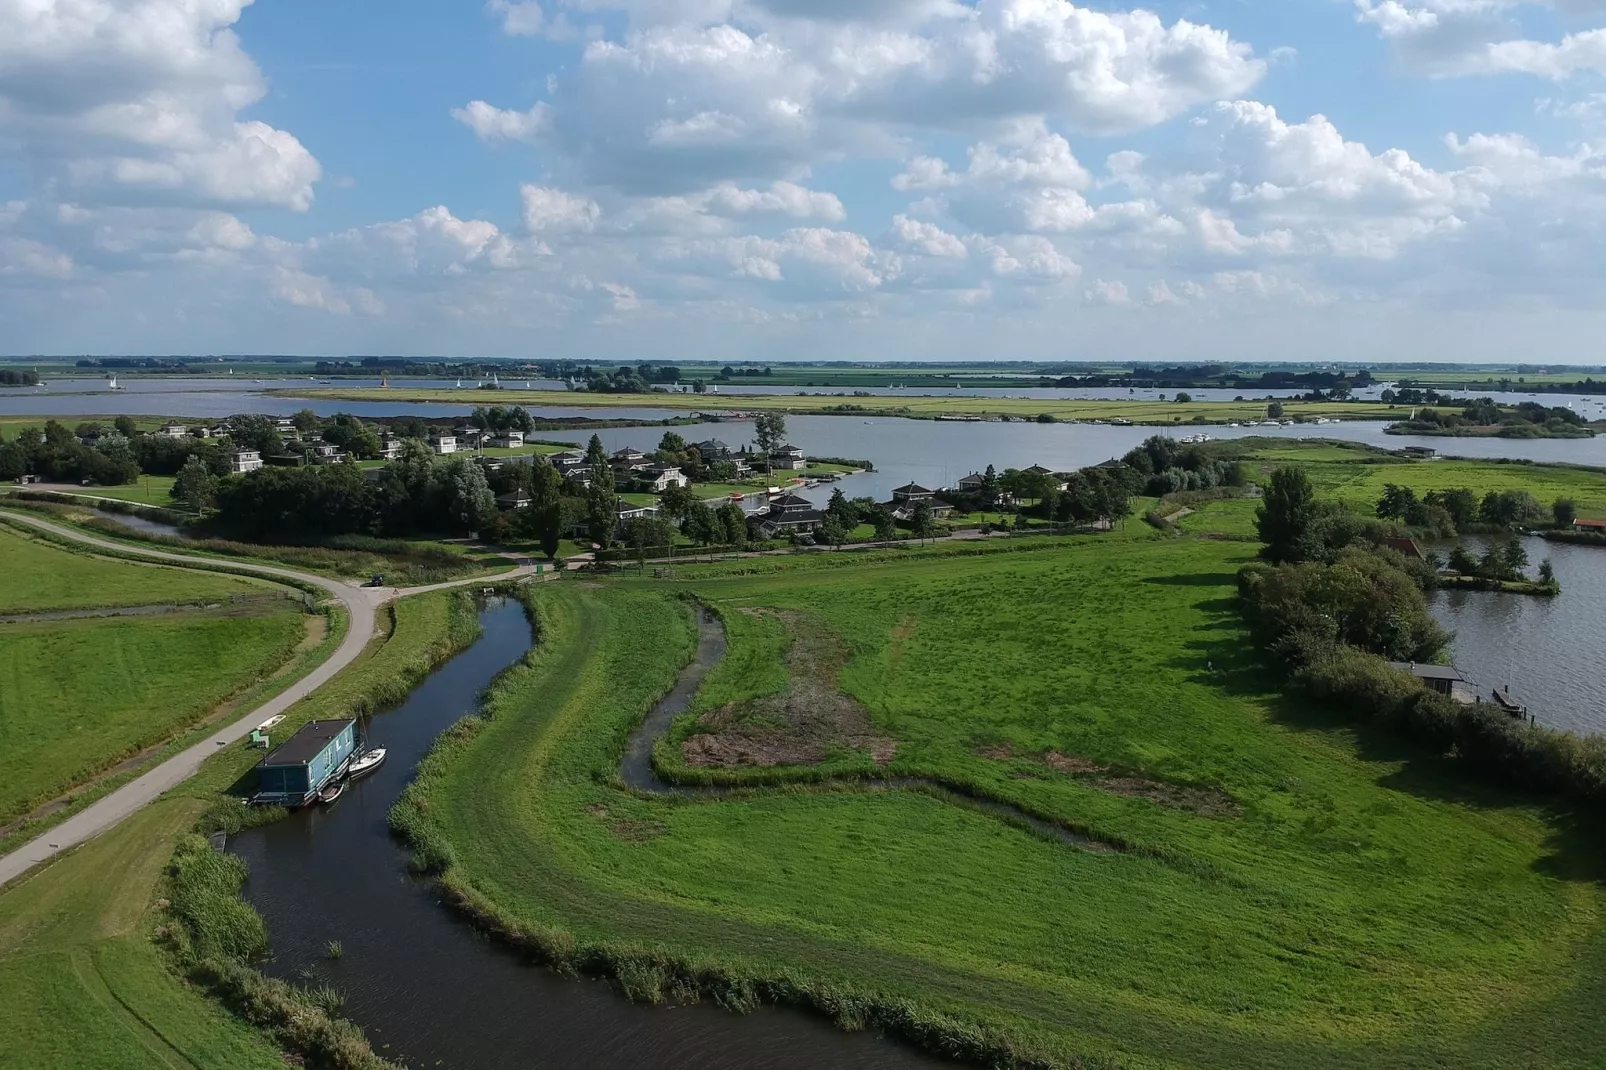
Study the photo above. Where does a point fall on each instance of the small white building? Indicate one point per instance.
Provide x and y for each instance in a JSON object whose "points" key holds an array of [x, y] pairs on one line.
{"points": [[443, 444], [241, 461], [390, 448], [505, 440], [173, 430], [660, 477], [789, 458]]}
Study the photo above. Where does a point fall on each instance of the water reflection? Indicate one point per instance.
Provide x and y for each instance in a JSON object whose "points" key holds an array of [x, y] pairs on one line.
{"points": [[1549, 650], [428, 989]]}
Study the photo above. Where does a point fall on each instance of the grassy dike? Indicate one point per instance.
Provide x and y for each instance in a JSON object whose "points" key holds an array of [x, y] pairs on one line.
{"points": [[108, 954], [1292, 889]]}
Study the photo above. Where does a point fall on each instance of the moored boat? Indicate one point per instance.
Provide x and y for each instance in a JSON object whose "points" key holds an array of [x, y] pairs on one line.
{"points": [[366, 762], [270, 723], [331, 792]]}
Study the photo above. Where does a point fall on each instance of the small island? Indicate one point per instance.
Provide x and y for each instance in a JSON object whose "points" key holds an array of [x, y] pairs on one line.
{"points": [[1484, 418]]}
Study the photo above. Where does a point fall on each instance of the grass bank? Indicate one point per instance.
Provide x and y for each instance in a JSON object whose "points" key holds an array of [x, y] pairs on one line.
{"points": [[1301, 891]]}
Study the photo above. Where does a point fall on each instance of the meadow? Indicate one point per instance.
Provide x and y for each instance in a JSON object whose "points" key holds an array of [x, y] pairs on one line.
{"points": [[83, 984], [40, 576], [77, 696], [1142, 412], [1268, 885]]}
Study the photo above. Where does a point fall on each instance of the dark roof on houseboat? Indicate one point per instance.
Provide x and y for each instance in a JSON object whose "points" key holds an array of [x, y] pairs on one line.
{"points": [[305, 745]]}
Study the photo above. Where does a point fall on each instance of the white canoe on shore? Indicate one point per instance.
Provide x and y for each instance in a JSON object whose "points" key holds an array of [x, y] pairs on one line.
{"points": [[270, 723]]}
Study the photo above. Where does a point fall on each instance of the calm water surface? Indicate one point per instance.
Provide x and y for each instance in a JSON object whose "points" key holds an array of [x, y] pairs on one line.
{"points": [[428, 989], [1550, 651]]}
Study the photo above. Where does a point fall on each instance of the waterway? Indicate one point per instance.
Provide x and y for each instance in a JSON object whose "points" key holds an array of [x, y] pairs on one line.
{"points": [[1548, 650], [431, 991]]}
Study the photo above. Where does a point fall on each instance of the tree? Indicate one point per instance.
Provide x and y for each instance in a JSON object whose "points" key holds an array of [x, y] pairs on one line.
{"points": [[306, 421], [831, 531], [13, 461], [886, 527], [1285, 516], [602, 506], [1513, 556], [595, 454], [842, 511], [255, 432], [1547, 573], [1275, 410], [1565, 510], [732, 525], [1396, 503], [769, 431], [125, 426], [672, 445], [466, 496], [923, 523], [674, 500], [545, 515], [1184, 399], [698, 522], [195, 486], [1462, 562]]}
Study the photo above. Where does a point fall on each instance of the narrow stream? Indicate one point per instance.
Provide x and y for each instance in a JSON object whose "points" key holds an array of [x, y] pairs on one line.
{"points": [[431, 991]]}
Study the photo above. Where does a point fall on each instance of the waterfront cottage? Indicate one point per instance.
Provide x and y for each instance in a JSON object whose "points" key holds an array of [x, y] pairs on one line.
{"points": [[305, 763], [443, 444], [241, 461]]}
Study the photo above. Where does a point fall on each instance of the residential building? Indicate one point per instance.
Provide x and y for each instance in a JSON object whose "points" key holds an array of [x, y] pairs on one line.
{"points": [[505, 440], [577, 472], [241, 461], [390, 447], [1445, 679], [469, 435], [975, 483], [912, 492], [787, 515], [660, 477], [325, 452], [628, 459], [714, 450], [443, 444], [789, 458], [907, 498], [1582, 524], [516, 499], [305, 763], [173, 430]]}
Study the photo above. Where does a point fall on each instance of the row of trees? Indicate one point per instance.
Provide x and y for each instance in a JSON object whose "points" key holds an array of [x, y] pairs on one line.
{"points": [[1459, 509]]}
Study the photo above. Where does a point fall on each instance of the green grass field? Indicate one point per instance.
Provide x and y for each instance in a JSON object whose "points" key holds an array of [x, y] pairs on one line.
{"points": [[79, 695], [1144, 412], [1295, 892], [43, 576]]}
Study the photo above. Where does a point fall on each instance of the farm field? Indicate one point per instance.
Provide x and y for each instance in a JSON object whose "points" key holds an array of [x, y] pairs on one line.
{"points": [[79, 695], [1267, 887], [41, 576], [1145, 412]]}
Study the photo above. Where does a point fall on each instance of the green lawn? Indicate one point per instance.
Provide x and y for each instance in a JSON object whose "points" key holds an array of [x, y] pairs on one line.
{"points": [[1348, 902], [82, 987], [78, 695], [42, 576]]}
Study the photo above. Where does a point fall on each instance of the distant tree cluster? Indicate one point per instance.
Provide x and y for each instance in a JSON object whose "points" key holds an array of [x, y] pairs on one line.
{"points": [[1168, 466], [18, 377]]}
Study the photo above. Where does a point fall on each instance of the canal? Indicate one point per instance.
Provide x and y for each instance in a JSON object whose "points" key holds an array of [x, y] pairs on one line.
{"points": [[430, 990]]}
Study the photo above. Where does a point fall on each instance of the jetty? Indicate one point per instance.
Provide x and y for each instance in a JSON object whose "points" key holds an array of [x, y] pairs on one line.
{"points": [[1503, 699]]}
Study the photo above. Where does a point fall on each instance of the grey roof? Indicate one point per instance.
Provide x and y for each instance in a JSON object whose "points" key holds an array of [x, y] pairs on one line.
{"points": [[1428, 672], [911, 488], [974, 477], [306, 744], [791, 502]]}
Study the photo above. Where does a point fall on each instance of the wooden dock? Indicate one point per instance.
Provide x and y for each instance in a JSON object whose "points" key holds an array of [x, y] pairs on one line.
{"points": [[1503, 699]]}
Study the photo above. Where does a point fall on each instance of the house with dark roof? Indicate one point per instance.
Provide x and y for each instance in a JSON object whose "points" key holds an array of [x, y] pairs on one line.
{"points": [[907, 498], [1406, 546], [713, 450], [659, 477], [628, 459], [975, 483], [789, 458], [514, 499], [1445, 679], [505, 440], [577, 472], [912, 492], [788, 514]]}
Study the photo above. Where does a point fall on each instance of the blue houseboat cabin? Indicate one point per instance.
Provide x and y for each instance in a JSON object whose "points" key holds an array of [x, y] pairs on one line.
{"points": [[307, 761]]}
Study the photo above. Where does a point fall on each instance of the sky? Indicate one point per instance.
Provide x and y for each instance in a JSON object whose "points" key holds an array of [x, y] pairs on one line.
{"points": [[628, 180]]}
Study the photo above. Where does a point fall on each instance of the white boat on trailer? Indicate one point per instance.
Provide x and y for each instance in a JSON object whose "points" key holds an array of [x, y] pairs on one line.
{"points": [[366, 763]]}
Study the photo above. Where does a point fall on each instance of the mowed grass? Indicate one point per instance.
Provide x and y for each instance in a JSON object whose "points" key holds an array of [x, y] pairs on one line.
{"points": [[78, 695], [38, 576], [82, 987], [1362, 907]]}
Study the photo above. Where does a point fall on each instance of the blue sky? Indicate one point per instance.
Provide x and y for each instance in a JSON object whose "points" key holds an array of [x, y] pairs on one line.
{"points": [[794, 179]]}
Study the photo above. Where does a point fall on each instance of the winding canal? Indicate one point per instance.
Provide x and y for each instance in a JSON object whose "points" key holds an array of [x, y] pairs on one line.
{"points": [[428, 988]]}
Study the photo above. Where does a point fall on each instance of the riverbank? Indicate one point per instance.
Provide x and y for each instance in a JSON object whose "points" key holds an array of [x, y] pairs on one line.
{"points": [[1510, 431]]}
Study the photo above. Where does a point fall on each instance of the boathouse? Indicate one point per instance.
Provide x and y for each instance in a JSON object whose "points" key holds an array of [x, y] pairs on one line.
{"points": [[1445, 679], [305, 763]]}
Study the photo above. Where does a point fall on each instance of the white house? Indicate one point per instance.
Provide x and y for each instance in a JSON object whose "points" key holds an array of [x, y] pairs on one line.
{"points": [[245, 461], [660, 477], [173, 430], [505, 440], [443, 444], [390, 448]]}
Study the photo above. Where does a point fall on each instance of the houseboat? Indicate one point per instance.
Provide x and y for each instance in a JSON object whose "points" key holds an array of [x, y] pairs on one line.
{"points": [[305, 764]]}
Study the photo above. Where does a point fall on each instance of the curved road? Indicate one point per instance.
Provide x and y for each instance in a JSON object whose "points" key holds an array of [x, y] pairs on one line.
{"points": [[362, 604]]}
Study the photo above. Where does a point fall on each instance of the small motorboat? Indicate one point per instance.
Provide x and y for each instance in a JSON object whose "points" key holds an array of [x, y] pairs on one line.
{"points": [[271, 722], [366, 762], [332, 792]]}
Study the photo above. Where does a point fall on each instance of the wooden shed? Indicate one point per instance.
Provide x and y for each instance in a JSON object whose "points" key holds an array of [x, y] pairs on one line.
{"points": [[295, 772]]}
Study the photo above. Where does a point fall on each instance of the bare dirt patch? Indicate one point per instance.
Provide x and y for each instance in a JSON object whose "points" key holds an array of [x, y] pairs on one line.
{"points": [[802, 725], [639, 831], [996, 752], [1072, 765]]}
